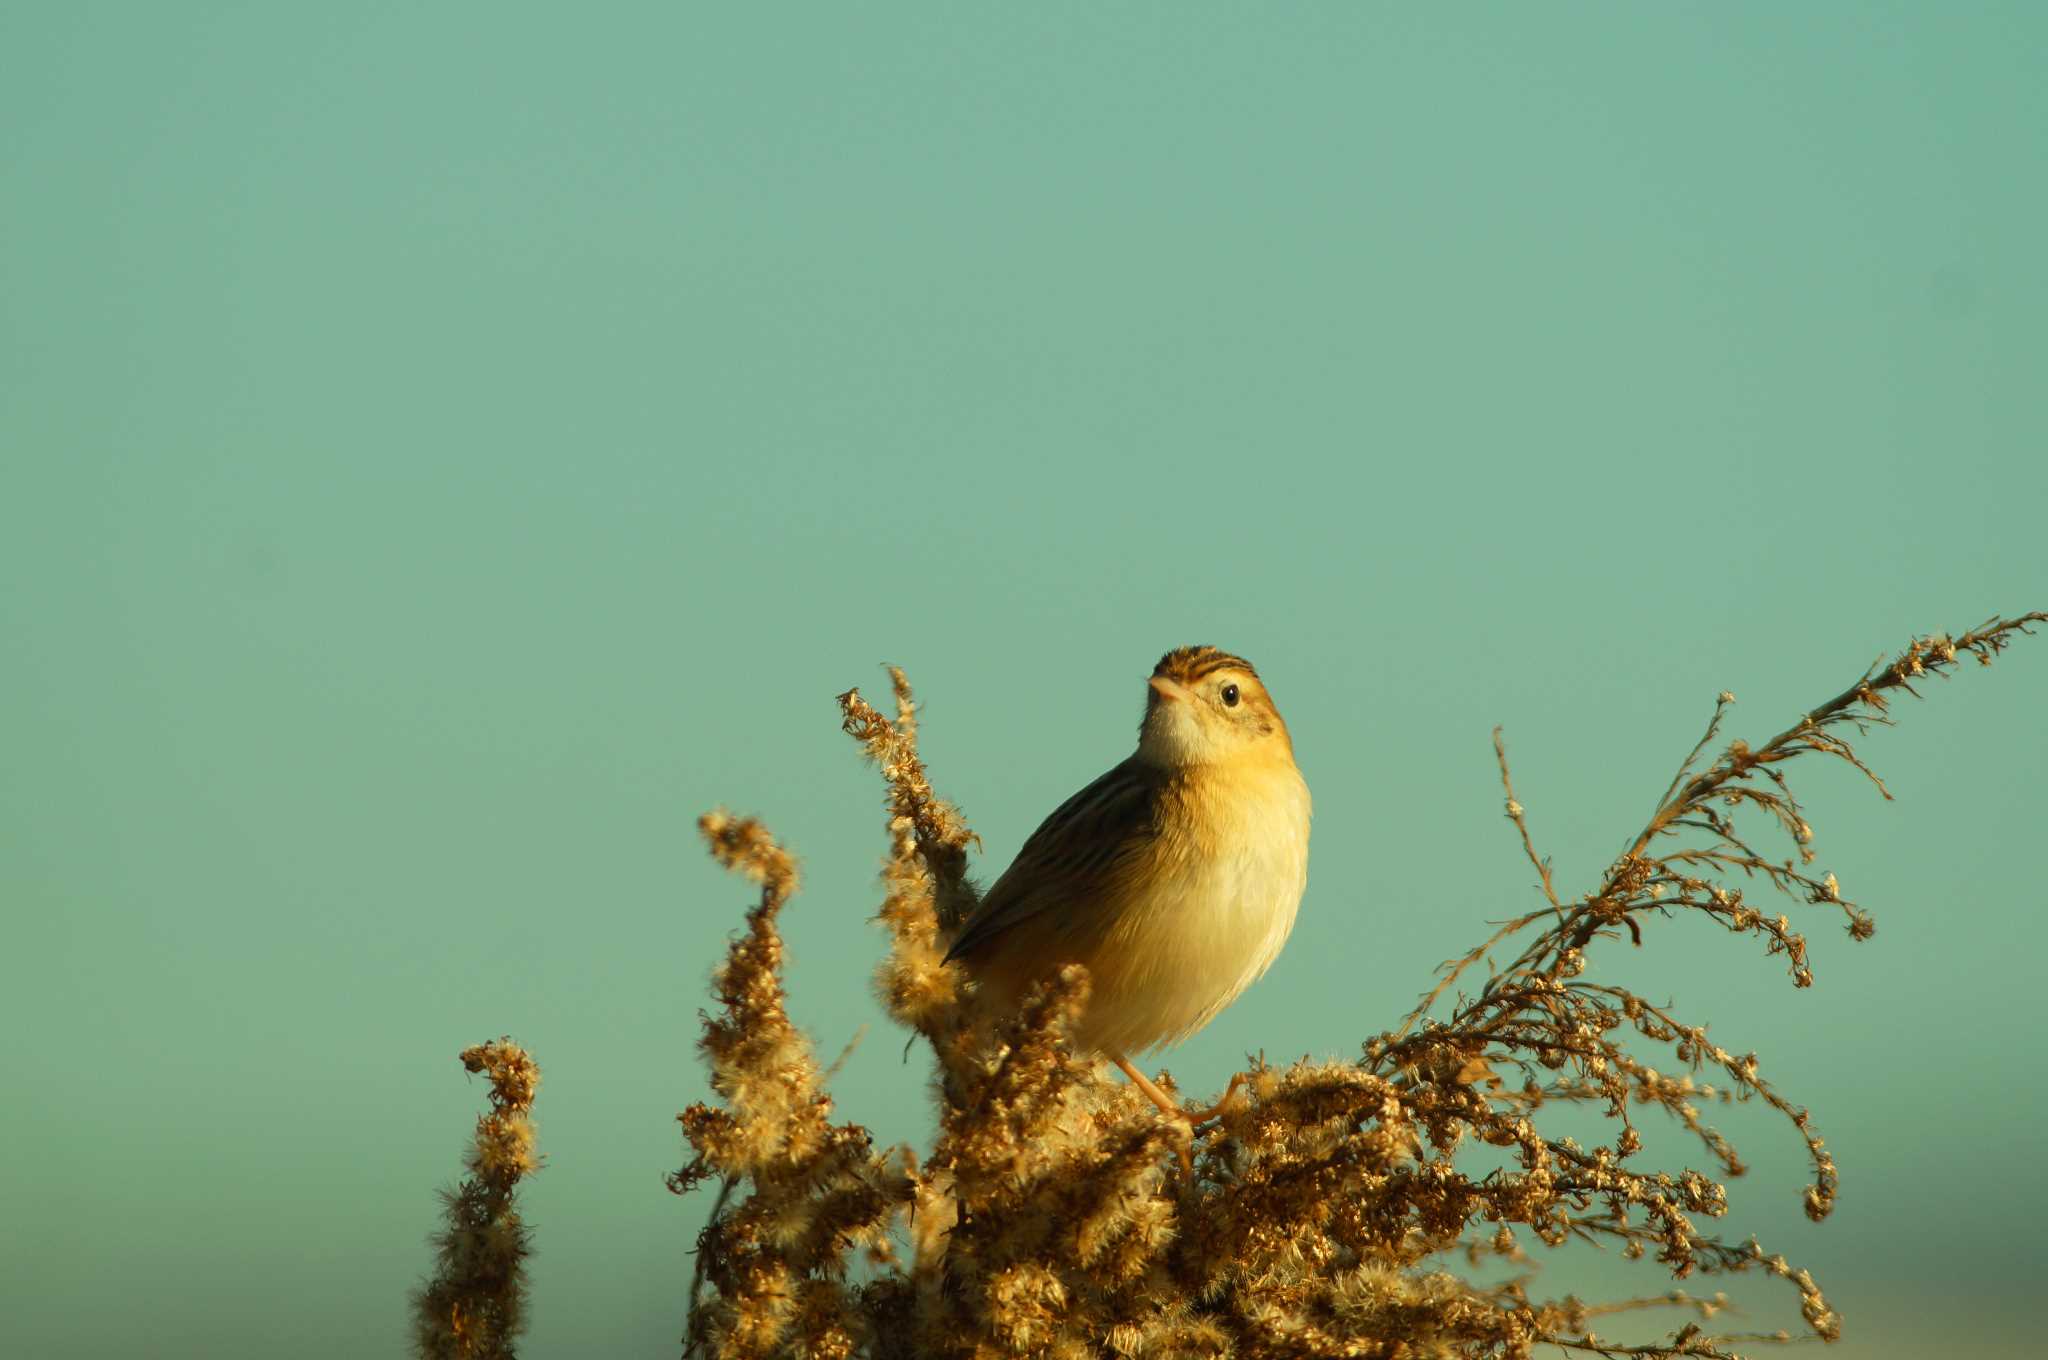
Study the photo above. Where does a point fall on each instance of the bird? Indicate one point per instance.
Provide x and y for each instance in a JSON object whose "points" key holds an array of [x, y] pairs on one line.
{"points": [[1174, 878]]}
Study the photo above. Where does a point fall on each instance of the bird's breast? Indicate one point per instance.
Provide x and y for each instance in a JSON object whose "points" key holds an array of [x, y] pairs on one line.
{"points": [[1208, 912]]}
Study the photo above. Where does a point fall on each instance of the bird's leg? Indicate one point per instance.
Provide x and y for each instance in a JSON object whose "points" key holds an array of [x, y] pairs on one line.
{"points": [[1166, 1103], [1146, 1084]]}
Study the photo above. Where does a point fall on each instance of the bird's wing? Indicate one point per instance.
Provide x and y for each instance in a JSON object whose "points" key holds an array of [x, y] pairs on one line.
{"points": [[1072, 857]]}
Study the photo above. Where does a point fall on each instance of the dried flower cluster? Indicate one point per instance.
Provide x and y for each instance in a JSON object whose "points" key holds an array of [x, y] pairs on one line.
{"points": [[775, 1264], [475, 1305], [1051, 1218]]}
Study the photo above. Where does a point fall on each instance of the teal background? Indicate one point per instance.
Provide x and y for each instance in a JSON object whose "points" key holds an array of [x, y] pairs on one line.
{"points": [[444, 448]]}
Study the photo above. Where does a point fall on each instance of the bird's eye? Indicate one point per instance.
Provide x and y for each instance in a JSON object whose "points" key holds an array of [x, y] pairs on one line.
{"points": [[1230, 696]]}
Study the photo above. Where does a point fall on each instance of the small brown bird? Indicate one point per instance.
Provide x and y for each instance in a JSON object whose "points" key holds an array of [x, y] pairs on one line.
{"points": [[1173, 879]]}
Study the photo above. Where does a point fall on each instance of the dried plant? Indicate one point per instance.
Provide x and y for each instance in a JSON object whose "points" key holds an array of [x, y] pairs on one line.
{"points": [[475, 1305], [1051, 1218]]}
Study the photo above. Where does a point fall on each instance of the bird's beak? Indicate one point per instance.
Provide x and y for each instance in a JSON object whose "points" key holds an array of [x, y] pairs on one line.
{"points": [[1169, 690]]}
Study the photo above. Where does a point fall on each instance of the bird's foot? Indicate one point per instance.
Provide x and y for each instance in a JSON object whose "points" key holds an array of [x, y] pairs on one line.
{"points": [[1229, 1098], [1186, 1123]]}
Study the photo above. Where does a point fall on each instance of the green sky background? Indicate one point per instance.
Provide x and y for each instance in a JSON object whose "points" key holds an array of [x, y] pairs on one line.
{"points": [[444, 448]]}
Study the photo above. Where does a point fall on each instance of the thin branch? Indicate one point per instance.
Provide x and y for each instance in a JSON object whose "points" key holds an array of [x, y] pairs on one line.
{"points": [[1500, 752]]}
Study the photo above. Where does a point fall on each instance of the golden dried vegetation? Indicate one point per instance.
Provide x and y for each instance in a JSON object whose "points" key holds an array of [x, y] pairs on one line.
{"points": [[1329, 1203], [475, 1304]]}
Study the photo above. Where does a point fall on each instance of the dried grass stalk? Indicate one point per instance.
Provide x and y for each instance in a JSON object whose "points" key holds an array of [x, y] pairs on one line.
{"points": [[1049, 1219], [474, 1307]]}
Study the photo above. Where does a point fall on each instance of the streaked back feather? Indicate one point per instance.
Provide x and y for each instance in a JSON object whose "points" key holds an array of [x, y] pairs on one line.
{"points": [[1074, 855]]}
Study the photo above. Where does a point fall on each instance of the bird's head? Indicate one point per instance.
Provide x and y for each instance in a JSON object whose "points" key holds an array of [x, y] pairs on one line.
{"points": [[1204, 706]]}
